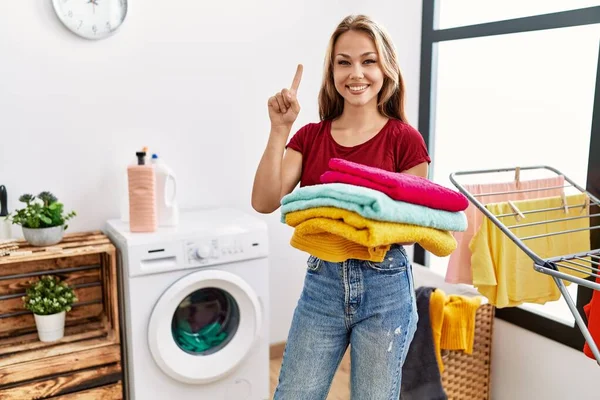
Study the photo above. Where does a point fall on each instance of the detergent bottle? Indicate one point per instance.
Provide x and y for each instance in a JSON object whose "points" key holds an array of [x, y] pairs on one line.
{"points": [[167, 209], [142, 195]]}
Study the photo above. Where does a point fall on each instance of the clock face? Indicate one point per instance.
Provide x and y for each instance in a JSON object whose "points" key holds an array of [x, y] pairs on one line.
{"points": [[91, 19]]}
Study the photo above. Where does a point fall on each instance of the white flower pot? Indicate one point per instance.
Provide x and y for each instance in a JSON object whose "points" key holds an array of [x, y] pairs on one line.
{"points": [[43, 236], [50, 327]]}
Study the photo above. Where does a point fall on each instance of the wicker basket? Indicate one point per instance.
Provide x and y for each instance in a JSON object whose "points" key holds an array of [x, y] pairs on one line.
{"points": [[467, 376]]}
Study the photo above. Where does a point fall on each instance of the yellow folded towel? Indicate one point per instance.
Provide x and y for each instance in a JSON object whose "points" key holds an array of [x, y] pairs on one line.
{"points": [[332, 248], [338, 234]]}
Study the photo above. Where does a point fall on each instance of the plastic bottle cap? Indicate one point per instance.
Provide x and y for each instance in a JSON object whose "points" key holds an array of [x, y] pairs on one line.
{"points": [[154, 156]]}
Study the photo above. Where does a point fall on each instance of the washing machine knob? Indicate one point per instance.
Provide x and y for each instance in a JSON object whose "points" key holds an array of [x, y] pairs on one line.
{"points": [[203, 251]]}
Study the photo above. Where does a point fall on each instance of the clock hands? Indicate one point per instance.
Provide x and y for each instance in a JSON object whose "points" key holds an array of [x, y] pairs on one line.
{"points": [[94, 4]]}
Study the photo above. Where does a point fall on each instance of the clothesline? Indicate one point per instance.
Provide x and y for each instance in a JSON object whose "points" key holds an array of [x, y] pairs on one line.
{"points": [[541, 204], [520, 191]]}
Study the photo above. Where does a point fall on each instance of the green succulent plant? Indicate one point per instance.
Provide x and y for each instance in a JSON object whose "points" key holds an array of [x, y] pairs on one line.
{"points": [[49, 295], [43, 211]]}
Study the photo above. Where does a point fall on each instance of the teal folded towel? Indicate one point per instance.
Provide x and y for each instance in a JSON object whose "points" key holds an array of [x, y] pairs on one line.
{"points": [[371, 204]]}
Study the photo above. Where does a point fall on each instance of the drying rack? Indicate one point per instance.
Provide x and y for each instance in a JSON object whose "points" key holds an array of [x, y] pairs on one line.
{"points": [[587, 263]]}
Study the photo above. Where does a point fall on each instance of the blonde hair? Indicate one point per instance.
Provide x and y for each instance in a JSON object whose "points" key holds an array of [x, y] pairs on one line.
{"points": [[390, 100]]}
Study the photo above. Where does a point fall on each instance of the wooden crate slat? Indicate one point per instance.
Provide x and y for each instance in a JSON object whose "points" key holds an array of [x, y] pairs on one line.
{"points": [[72, 243], [53, 254], [84, 382], [111, 287], [84, 295], [82, 243], [31, 342], [109, 392], [63, 245], [60, 364], [78, 239], [25, 323], [105, 275], [71, 236], [45, 264], [53, 351], [20, 285]]}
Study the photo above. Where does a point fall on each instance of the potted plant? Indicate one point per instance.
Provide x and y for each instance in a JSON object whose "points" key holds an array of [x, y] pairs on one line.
{"points": [[42, 219], [49, 299]]}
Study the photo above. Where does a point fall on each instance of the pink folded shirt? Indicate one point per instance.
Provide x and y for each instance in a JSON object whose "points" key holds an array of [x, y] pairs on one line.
{"points": [[399, 186], [459, 266]]}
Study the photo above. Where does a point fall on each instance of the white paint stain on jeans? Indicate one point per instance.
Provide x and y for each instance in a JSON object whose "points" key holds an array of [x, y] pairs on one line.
{"points": [[396, 333]]}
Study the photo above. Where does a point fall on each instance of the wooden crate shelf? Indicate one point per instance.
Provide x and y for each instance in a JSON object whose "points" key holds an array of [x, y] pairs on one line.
{"points": [[87, 362]]}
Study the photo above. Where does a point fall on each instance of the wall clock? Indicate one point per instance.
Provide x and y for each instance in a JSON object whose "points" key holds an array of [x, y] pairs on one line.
{"points": [[91, 19]]}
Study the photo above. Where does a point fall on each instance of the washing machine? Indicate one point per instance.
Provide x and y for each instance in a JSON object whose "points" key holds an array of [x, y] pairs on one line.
{"points": [[195, 307]]}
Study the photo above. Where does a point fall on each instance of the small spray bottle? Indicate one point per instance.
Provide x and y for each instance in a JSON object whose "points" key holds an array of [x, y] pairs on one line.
{"points": [[5, 228]]}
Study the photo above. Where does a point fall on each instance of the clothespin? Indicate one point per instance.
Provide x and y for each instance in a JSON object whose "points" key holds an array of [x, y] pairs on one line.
{"points": [[518, 176], [586, 204], [516, 210], [563, 200]]}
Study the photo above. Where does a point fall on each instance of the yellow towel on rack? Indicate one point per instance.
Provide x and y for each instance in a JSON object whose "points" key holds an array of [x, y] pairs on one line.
{"points": [[336, 235], [504, 273]]}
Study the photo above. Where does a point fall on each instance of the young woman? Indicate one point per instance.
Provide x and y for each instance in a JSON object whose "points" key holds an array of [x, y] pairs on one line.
{"points": [[369, 306]]}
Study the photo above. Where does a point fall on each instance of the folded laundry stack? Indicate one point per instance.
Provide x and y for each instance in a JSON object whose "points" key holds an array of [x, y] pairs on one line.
{"points": [[360, 211]]}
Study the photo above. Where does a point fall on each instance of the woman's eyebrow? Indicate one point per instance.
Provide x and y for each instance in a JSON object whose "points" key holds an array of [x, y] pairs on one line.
{"points": [[362, 55]]}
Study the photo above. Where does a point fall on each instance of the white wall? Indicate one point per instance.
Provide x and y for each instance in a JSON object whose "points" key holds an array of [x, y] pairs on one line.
{"points": [[191, 80]]}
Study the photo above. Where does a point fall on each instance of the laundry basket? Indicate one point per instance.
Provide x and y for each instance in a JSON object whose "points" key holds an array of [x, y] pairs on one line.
{"points": [[467, 376]]}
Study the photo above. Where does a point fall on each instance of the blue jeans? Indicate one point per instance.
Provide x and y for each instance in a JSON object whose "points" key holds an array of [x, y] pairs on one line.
{"points": [[369, 306]]}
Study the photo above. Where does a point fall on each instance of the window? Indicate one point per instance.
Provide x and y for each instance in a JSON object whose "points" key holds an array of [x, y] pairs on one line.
{"points": [[454, 13], [515, 98]]}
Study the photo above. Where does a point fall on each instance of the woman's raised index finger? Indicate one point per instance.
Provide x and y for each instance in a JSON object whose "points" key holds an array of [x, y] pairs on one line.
{"points": [[297, 78]]}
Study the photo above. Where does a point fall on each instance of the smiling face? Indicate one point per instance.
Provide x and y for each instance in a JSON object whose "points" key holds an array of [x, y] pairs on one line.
{"points": [[361, 69], [357, 74]]}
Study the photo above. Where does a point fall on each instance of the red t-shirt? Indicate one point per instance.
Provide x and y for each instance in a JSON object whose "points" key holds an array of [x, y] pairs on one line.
{"points": [[396, 148]]}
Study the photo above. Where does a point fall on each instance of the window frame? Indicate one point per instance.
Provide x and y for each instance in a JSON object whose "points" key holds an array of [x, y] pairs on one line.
{"points": [[430, 36]]}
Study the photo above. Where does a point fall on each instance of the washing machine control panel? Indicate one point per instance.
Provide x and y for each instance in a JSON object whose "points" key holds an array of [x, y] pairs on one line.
{"points": [[207, 251]]}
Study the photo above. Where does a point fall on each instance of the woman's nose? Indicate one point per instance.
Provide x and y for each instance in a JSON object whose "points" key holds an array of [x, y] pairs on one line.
{"points": [[357, 72]]}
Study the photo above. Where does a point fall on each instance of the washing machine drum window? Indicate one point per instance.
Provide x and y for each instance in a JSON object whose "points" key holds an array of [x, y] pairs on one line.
{"points": [[204, 326], [205, 321]]}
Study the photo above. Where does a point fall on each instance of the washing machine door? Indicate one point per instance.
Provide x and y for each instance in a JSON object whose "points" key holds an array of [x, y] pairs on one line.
{"points": [[204, 326]]}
